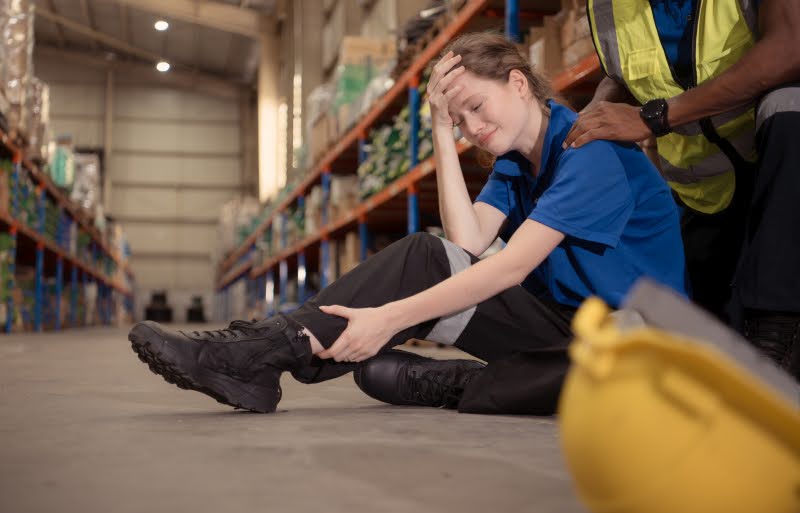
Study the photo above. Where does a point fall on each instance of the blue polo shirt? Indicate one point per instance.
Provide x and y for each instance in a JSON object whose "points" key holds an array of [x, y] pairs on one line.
{"points": [[616, 212]]}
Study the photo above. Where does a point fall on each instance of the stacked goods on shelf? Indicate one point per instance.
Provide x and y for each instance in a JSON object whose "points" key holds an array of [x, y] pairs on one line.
{"points": [[83, 247], [344, 196], [421, 29], [313, 210], [5, 185], [344, 255], [386, 155], [360, 60], [4, 105], [38, 110], [62, 164], [23, 297], [349, 253], [332, 267], [234, 216], [25, 200], [361, 77], [263, 248], [6, 260], [320, 123], [279, 242], [86, 185], [562, 40], [16, 37], [576, 35]]}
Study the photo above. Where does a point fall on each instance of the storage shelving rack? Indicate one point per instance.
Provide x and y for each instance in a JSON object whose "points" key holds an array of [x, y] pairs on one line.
{"points": [[52, 258], [400, 204]]}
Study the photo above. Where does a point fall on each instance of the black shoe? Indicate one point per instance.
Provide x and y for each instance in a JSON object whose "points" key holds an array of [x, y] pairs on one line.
{"points": [[239, 366], [777, 335], [408, 379]]}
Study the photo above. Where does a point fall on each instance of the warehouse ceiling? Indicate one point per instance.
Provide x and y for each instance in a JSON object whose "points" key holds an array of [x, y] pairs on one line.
{"points": [[207, 40]]}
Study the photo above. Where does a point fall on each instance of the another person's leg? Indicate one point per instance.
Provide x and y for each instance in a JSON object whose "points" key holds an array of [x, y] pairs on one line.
{"points": [[767, 283]]}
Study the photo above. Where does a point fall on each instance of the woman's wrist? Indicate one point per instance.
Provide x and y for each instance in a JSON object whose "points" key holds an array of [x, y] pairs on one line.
{"points": [[394, 313], [442, 130]]}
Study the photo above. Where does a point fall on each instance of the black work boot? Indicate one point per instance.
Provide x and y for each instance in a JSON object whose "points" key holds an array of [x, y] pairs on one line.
{"points": [[777, 335], [408, 379], [239, 366]]}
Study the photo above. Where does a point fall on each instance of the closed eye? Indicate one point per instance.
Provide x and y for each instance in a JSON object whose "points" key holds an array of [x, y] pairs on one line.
{"points": [[477, 107]]}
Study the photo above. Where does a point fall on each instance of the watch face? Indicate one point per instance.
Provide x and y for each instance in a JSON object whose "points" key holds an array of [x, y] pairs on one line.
{"points": [[653, 109]]}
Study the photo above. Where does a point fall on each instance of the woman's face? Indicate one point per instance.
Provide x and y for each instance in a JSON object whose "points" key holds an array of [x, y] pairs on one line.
{"points": [[491, 114]]}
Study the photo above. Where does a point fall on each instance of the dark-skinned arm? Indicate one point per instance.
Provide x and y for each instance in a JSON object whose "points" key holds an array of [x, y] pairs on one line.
{"points": [[772, 61], [609, 90]]}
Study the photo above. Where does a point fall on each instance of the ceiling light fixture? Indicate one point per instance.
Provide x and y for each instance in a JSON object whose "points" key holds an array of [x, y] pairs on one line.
{"points": [[162, 66], [161, 25]]}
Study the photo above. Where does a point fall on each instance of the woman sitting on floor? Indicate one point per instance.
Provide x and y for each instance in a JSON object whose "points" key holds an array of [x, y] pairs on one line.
{"points": [[577, 222]]}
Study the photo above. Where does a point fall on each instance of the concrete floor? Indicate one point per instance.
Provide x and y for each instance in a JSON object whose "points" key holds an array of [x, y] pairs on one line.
{"points": [[85, 427]]}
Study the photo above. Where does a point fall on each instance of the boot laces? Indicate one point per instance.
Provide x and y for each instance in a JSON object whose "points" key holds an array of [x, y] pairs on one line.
{"points": [[435, 387], [234, 330]]}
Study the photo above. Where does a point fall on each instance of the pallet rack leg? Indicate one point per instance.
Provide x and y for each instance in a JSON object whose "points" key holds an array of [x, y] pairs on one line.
{"points": [[363, 236], [413, 209], [413, 118], [38, 290], [324, 276], [59, 289], [85, 282], [12, 266], [512, 20], [73, 296]]}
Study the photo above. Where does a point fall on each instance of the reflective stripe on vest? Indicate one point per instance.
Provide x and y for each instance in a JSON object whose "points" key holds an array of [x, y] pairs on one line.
{"points": [[630, 51]]}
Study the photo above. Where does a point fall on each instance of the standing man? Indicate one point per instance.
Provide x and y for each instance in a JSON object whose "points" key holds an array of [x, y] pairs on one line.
{"points": [[716, 81]]}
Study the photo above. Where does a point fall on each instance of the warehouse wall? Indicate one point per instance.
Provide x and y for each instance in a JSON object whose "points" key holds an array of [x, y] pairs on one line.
{"points": [[176, 158]]}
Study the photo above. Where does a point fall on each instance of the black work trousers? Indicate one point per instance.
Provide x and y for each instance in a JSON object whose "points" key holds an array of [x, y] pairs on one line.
{"points": [[747, 257], [522, 339]]}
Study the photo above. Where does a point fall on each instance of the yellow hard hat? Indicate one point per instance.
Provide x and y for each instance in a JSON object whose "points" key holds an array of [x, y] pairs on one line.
{"points": [[653, 421]]}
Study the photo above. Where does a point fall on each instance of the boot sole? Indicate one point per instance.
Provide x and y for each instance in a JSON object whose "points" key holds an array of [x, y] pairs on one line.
{"points": [[225, 390]]}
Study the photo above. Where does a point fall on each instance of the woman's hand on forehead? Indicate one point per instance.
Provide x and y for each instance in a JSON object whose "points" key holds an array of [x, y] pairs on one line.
{"points": [[441, 89]]}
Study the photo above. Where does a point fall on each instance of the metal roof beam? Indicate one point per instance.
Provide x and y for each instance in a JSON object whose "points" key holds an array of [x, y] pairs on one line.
{"points": [[175, 78], [215, 15]]}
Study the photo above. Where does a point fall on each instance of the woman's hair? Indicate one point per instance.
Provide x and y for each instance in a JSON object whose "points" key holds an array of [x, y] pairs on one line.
{"points": [[490, 55]]}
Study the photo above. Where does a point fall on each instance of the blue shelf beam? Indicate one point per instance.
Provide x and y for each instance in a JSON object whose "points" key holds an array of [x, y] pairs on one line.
{"points": [[512, 21]]}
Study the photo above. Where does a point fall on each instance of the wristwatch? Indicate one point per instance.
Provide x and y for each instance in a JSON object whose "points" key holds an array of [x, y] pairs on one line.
{"points": [[654, 115]]}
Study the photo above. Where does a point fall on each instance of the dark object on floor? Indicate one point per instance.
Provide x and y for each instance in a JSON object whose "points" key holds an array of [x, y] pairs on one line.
{"points": [[158, 310], [195, 312]]}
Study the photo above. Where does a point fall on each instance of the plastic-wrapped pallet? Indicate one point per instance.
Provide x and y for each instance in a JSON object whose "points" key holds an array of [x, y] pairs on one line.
{"points": [[62, 165], [17, 37], [313, 212], [86, 183], [38, 111], [349, 253], [344, 195], [233, 214], [4, 105]]}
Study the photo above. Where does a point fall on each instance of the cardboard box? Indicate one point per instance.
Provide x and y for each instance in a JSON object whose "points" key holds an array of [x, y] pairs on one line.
{"points": [[320, 137], [349, 250], [376, 52], [575, 25], [577, 51], [545, 49]]}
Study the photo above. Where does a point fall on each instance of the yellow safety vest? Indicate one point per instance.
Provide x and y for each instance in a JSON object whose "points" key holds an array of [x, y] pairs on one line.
{"points": [[630, 51]]}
